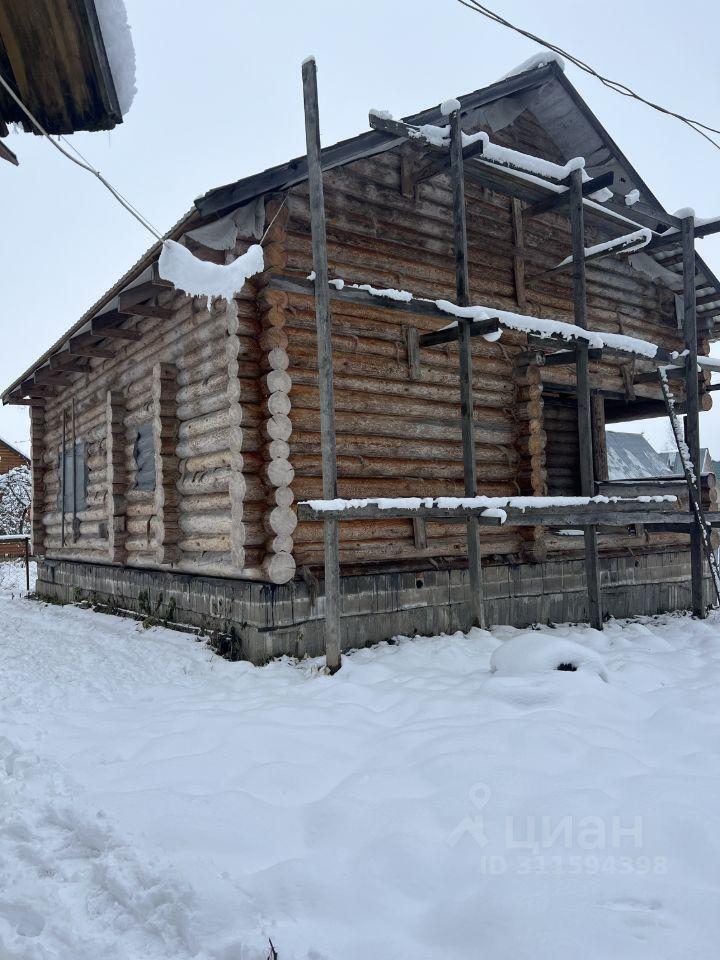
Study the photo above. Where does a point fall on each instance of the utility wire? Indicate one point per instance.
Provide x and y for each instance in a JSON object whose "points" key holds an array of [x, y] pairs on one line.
{"points": [[82, 163], [615, 85]]}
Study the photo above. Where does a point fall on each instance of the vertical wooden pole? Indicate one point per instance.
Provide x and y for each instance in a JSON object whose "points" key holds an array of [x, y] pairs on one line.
{"points": [[462, 285], [323, 321], [692, 418], [37, 510], [518, 253], [587, 479], [27, 564], [74, 474], [599, 437], [62, 480]]}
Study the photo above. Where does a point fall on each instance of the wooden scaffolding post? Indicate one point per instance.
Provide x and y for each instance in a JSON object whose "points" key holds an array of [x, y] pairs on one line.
{"points": [[587, 479], [462, 284], [692, 418], [323, 320]]}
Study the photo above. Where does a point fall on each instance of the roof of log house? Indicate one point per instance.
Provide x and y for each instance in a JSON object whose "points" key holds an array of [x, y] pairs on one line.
{"points": [[547, 94], [52, 54]]}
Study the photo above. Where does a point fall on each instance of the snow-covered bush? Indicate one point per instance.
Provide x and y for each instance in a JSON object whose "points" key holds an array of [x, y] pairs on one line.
{"points": [[15, 498]]}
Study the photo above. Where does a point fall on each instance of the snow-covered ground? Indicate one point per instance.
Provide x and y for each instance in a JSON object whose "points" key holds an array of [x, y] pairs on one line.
{"points": [[447, 797]]}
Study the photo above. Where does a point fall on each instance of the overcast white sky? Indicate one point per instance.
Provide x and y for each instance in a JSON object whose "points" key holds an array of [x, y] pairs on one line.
{"points": [[219, 98]]}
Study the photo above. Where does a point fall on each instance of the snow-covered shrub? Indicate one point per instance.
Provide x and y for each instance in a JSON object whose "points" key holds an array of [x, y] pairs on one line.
{"points": [[537, 653], [15, 498]]}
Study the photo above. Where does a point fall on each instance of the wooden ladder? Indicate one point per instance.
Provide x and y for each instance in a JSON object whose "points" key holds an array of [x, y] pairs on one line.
{"points": [[693, 490]]}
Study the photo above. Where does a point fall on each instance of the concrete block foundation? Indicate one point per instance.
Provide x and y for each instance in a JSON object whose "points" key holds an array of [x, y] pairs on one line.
{"points": [[262, 620]]}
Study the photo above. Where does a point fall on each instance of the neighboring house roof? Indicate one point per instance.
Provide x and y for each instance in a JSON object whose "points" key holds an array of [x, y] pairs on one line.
{"points": [[671, 458], [6, 443], [545, 92], [53, 56], [630, 457]]}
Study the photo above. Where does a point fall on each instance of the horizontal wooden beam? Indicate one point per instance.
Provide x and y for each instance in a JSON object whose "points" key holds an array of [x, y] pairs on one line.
{"points": [[564, 357], [662, 356], [66, 361], [108, 325], [48, 377], [713, 297], [674, 239], [501, 180], [616, 248], [653, 376], [84, 345], [478, 328], [558, 201], [570, 390], [590, 514], [146, 310], [420, 170]]}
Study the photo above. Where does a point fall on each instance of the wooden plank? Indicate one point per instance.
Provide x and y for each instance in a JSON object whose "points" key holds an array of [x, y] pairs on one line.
{"points": [[462, 288], [412, 339], [419, 533], [7, 154], [323, 319], [599, 438], [518, 253], [587, 480], [692, 417]]}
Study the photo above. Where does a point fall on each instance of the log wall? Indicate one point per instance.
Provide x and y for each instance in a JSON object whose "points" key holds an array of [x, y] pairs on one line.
{"points": [[398, 429], [196, 378]]}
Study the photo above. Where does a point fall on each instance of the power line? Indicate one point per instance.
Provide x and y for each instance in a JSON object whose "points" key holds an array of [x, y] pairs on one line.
{"points": [[615, 85], [83, 163]]}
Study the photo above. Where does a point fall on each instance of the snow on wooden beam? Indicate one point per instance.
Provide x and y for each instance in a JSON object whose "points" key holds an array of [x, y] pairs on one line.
{"points": [[506, 511], [366, 295], [628, 243]]}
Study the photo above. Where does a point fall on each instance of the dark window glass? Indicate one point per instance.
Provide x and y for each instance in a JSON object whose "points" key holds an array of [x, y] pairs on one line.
{"points": [[144, 455]]}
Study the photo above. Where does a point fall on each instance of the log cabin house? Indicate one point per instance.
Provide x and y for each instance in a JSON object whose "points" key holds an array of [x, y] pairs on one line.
{"points": [[171, 443]]}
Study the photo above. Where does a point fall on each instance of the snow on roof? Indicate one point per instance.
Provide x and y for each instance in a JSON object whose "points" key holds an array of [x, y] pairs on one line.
{"points": [[203, 278], [535, 62], [12, 446], [631, 457], [119, 47], [671, 459]]}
